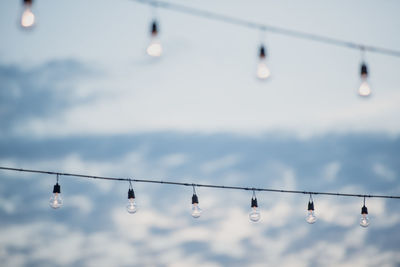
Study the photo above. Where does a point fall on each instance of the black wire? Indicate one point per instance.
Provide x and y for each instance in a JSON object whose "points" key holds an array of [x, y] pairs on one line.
{"points": [[199, 185], [263, 27], [194, 190]]}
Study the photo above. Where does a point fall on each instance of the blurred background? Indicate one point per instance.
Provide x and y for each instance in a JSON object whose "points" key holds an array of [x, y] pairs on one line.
{"points": [[78, 93]]}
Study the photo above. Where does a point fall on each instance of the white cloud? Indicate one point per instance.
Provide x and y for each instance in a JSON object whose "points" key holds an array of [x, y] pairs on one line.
{"points": [[218, 164], [331, 171], [81, 203], [384, 172], [173, 160]]}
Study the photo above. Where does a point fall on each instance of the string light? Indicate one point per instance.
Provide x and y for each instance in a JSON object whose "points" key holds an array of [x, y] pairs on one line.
{"points": [[364, 89], [263, 27], [254, 214], [364, 221], [311, 218], [263, 71], [56, 200], [196, 210], [27, 17], [131, 206], [154, 49]]}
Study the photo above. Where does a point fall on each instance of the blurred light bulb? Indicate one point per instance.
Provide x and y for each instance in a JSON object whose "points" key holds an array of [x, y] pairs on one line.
{"points": [[364, 221], [263, 71], [364, 89], [155, 48], [56, 200], [131, 206], [311, 218], [196, 211], [27, 17], [254, 214]]}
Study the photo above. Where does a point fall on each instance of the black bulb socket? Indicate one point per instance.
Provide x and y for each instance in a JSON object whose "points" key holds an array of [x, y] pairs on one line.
{"points": [[364, 210], [57, 188], [154, 28], [310, 205], [27, 2], [263, 52], [364, 70], [195, 199], [131, 194], [254, 203]]}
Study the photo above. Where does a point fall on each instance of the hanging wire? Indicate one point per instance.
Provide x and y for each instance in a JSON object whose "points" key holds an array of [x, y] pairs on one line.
{"points": [[254, 194], [263, 36], [199, 185], [130, 184], [194, 189], [362, 54], [154, 10], [278, 30], [57, 178], [311, 199]]}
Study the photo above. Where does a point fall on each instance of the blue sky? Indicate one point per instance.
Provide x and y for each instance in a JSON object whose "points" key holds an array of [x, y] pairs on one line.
{"points": [[79, 94]]}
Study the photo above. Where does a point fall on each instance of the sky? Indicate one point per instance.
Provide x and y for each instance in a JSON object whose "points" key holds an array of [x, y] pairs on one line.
{"points": [[79, 94]]}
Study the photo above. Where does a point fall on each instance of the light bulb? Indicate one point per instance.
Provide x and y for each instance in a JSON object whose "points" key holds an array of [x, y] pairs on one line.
{"points": [[311, 218], [196, 211], [27, 17], [254, 214], [56, 200], [364, 221], [364, 89], [131, 206], [155, 48], [263, 71]]}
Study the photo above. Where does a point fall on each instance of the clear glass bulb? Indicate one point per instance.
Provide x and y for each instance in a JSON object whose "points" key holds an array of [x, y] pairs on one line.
{"points": [[155, 48], [311, 218], [364, 221], [27, 18], [364, 89], [263, 71], [254, 215], [196, 211], [56, 201], [131, 206]]}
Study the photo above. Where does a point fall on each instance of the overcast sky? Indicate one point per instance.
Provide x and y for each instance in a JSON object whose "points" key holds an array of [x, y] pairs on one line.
{"points": [[78, 93]]}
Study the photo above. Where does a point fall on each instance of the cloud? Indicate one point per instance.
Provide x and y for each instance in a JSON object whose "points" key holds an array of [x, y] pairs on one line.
{"points": [[331, 171], [222, 163], [384, 172], [100, 232], [43, 91]]}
